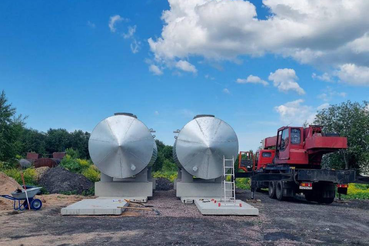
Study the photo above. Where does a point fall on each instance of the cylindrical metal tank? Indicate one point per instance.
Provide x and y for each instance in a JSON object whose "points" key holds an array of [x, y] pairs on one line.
{"points": [[121, 146], [201, 144]]}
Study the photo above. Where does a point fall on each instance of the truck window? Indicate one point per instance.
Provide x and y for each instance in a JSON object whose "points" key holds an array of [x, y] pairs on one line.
{"points": [[295, 136], [285, 139], [267, 154]]}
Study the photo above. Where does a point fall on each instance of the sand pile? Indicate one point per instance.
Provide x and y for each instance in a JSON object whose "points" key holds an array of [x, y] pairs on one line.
{"points": [[40, 171], [7, 185]]}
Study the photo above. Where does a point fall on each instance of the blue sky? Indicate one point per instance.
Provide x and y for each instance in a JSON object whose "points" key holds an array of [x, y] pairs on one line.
{"points": [[65, 67]]}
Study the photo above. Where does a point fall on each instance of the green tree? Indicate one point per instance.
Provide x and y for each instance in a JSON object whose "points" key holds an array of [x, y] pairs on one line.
{"points": [[164, 161], [350, 120], [11, 127], [33, 141], [79, 141], [58, 140]]}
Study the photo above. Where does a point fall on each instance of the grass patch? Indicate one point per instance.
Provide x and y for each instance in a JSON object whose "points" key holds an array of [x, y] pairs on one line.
{"points": [[243, 183], [357, 191], [29, 175]]}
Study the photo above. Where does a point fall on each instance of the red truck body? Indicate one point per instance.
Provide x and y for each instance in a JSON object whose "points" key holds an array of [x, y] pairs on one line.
{"points": [[290, 163], [300, 146]]}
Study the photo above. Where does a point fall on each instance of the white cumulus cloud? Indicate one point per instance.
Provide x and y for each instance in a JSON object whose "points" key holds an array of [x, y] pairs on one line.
{"points": [[285, 80], [296, 113], [324, 33], [324, 77], [226, 91], [323, 106], [353, 74], [329, 94], [252, 80], [130, 33], [155, 69], [186, 66], [113, 20]]}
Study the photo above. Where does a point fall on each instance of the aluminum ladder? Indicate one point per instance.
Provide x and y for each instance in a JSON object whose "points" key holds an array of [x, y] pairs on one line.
{"points": [[229, 186]]}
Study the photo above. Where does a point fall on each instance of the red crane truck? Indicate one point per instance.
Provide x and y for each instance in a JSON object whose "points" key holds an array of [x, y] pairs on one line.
{"points": [[290, 163]]}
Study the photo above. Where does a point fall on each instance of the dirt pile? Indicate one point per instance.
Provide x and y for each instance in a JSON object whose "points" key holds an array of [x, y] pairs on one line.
{"points": [[7, 185], [163, 184], [40, 172], [60, 180]]}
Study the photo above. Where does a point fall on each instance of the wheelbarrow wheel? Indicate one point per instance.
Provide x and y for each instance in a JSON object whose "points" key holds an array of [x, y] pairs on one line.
{"points": [[36, 204]]}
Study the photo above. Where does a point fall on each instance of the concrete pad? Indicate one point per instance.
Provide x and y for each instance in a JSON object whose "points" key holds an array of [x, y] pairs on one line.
{"points": [[132, 199], [209, 207], [97, 206]]}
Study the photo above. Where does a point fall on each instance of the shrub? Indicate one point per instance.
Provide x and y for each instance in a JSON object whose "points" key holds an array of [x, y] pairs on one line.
{"points": [[83, 163], [71, 164], [8, 165], [169, 166], [168, 175], [243, 183], [72, 153], [29, 175], [92, 173]]}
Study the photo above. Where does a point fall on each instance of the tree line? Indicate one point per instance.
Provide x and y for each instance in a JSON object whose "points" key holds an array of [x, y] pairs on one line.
{"points": [[348, 119], [16, 139]]}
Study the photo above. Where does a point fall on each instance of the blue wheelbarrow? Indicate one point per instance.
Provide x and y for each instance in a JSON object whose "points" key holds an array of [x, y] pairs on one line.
{"points": [[20, 199]]}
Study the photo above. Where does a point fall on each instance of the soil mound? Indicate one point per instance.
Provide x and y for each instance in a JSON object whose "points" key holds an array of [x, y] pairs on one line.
{"points": [[40, 172], [7, 186], [163, 184], [60, 180]]}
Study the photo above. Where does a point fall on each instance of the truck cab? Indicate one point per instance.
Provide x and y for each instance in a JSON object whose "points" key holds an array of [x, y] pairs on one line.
{"points": [[264, 157], [304, 147]]}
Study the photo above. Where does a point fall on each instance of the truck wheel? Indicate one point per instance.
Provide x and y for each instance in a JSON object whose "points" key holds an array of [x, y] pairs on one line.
{"points": [[279, 190], [271, 189], [326, 200], [310, 197]]}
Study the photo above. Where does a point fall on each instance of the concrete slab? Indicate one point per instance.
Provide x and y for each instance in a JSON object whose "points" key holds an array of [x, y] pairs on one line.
{"points": [[132, 199], [214, 207], [99, 206]]}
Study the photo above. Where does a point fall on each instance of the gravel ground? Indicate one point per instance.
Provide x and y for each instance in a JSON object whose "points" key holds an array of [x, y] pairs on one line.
{"points": [[294, 222]]}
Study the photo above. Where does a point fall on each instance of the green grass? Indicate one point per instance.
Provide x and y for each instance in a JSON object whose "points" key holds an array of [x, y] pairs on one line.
{"points": [[243, 183], [29, 175], [357, 191]]}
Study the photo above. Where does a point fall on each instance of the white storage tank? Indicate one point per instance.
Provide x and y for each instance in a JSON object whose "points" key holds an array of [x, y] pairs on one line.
{"points": [[201, 144], [121, 146]]}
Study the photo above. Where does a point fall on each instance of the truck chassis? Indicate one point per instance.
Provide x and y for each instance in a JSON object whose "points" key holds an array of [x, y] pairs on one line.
{"points": [[284, 181]]}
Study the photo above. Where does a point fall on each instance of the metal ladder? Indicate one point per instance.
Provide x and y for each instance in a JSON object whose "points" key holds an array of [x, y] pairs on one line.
{"points": [[229, 187]]}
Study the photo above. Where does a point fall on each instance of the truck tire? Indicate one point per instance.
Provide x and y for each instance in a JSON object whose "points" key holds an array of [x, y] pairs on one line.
{"points": [[326, 193], [271, 189], [279, 191], [326, 200], [310, 197]]}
